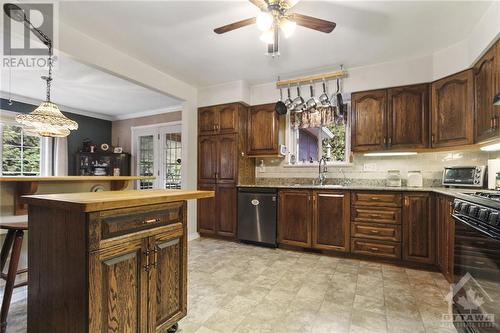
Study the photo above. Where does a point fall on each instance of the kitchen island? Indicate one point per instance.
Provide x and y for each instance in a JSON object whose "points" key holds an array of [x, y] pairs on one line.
{"points": [[108, 261]]}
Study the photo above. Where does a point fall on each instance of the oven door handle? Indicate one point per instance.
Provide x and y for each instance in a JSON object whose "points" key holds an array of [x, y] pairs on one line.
{"points": [[464, 221]]}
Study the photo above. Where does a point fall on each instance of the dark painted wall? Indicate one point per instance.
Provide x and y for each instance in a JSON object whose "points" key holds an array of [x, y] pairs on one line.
{"points": [[97, 130]]}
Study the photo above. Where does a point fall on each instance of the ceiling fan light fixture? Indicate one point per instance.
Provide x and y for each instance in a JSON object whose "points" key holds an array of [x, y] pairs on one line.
{"points": [[264, 21], [267, 36], [288, 27]]}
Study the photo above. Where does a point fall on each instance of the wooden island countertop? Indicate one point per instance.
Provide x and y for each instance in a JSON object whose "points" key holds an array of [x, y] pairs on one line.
{"points": [[98, 201]]}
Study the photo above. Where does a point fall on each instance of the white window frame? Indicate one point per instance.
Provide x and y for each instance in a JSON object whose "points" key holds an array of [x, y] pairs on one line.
{"points": [[292, 145], [7, 118]]}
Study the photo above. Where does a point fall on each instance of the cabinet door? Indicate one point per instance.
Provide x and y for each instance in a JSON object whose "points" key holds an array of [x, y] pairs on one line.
{"points": [[227, 158], [207, 120], [226, 210], [294, 221], [207, 159], [331, 221], [445, 237], [368, 120], [484, 92], [228, 118], [408, 117], [167, 287], [418, 228], [118, 290], [206, 213], [262, 131], [453, 110]]}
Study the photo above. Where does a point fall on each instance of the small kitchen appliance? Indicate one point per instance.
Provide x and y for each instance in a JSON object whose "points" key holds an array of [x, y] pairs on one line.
{"points": [[393, 178], [493, 169], [465, 176], [415, 179]]}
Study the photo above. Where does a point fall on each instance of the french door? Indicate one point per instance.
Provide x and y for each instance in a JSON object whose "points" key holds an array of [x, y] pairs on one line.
{"points": [[157, 152]]}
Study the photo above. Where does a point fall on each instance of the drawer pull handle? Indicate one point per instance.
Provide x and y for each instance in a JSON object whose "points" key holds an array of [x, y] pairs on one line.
{"points": [[479, 262], [375, 216], [375, 249], [374, 231], [375, 199], [156, 220]]}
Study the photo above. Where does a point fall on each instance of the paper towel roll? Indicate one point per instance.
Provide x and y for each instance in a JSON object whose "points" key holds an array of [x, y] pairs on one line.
{"points": [[493, 168]]}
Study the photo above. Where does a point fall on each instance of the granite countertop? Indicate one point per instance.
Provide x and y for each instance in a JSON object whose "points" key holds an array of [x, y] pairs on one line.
{"points": [[454, 192]]}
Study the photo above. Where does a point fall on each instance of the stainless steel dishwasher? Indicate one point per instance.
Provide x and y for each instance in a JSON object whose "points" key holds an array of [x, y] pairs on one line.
{"points": [[257, 212]]}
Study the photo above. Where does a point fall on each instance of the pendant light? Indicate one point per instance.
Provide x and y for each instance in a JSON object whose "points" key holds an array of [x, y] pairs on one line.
{"points": [[46, 120]]}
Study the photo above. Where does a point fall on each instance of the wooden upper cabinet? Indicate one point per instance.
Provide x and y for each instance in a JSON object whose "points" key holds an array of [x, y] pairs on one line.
{"points": [[228, 118], [207, 159], [453, 110], [485, 76], [169, 280], [331, 221], [368, 124], [294, 219], [262, 131], [219, 119], [419, 232], [118, 288], [408, 117], [227, 158], [207, 120]]}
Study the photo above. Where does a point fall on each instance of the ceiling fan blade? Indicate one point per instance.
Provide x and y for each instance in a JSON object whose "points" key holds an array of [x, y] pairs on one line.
{"points": [[313, 23], [259, 3], [235, 25]]}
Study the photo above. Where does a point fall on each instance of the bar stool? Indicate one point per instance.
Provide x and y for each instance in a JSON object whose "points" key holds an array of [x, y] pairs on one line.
{"points": [[13, 241]]}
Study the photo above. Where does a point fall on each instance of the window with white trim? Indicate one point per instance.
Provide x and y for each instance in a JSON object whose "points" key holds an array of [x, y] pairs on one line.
{"points": [[307, 145], [19, 151]]}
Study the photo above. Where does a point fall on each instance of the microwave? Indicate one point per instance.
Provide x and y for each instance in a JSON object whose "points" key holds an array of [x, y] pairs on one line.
{"points": [[465, 176]]}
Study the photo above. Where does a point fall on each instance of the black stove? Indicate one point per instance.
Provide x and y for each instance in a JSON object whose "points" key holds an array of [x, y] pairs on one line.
{"points": [[477, 261]]}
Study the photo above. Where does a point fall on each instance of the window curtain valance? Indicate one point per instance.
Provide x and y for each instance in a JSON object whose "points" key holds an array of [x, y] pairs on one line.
{"points": [[315, 117]]}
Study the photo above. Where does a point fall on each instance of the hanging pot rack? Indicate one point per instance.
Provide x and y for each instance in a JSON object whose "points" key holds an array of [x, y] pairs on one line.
{"points": [[312, 78]]}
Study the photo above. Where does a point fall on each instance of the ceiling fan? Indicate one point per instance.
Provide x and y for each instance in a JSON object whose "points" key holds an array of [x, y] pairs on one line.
{"points": [[274, 16]]}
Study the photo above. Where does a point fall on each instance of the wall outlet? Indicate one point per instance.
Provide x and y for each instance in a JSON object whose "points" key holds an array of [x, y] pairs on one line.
{"points": [[370, 167]]}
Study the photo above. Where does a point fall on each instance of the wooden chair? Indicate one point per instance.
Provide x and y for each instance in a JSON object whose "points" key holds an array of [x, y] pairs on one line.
{"points": [[13, 243]]}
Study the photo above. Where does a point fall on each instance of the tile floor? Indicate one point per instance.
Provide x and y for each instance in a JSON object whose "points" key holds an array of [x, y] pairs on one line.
{"points": [[242, 288]]}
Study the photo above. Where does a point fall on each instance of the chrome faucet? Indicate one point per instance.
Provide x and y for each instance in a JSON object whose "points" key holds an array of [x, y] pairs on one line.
{"points": [[322, 172]]}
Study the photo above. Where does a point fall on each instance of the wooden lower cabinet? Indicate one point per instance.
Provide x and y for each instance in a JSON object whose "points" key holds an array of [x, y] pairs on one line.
{"points": [[331, 219], [419, 232], [84, 278], [217, 216], [295, 217], [445, 236], [314, 219]]}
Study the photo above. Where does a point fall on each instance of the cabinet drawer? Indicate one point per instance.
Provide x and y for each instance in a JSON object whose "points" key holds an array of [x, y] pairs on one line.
{"points": [[118, 222], [376, 215], [376, 248], [376, 231], [376, 199]]}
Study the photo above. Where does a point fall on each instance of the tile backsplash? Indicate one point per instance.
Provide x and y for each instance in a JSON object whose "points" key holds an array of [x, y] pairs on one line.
{"points": [[365, 170]]}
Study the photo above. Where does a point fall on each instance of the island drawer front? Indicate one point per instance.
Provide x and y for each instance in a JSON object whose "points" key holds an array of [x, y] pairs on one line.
{"points": [[376, 215], [376, 199], [376, 248], [119, 222], [376, 231]]}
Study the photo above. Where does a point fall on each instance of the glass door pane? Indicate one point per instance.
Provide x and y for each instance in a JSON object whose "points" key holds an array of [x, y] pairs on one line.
{"points": [[145, 160], [172, 149]]}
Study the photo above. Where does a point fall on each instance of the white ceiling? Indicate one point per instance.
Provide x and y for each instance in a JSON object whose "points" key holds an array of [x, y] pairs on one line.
{"points": [[177, 36], [84, 88]]}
